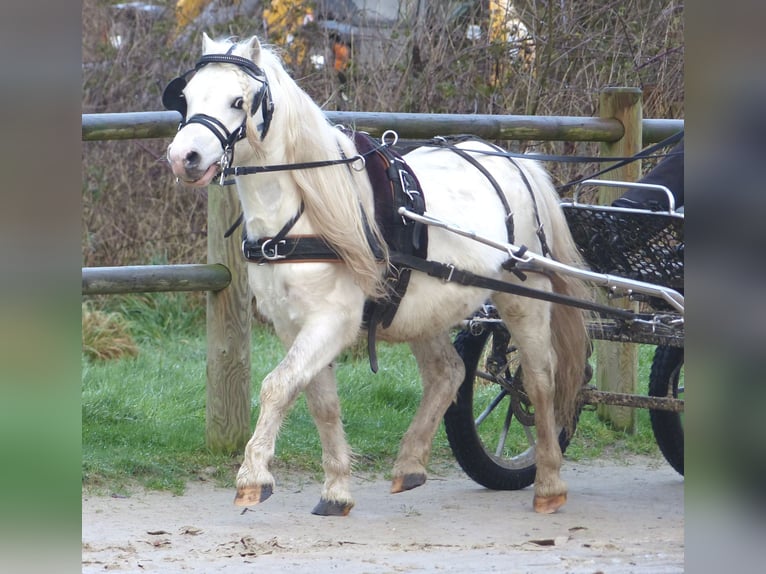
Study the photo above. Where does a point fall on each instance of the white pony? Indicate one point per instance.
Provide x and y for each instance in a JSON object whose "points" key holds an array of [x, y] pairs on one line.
{"points": [[241, 108]]}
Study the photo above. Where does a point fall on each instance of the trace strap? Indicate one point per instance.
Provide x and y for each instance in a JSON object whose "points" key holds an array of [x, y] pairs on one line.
{"points": [[450, 274]]}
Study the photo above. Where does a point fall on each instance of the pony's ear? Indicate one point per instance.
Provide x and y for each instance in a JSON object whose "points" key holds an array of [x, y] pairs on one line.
{"points": [[207, 44], [253, 49]]}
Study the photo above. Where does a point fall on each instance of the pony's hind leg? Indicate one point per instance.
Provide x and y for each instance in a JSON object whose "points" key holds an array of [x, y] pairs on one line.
{"points": [[324, 405], [529, 321], [441, 371]]}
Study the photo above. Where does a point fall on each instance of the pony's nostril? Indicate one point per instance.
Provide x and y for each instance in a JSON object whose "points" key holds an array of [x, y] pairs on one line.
{"points": [[192, 159]]}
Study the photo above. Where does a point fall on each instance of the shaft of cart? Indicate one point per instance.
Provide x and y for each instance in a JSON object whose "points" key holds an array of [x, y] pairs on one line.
{"points": [[529, 261]]}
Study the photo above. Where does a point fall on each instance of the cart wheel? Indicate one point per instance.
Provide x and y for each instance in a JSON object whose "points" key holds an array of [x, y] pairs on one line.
{"points": [[667, 380], [490, 426]]}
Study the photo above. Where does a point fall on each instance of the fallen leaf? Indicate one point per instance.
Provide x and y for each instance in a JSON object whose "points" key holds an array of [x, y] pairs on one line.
{"points": [[158, 542], [544, 542], [558, 541]]}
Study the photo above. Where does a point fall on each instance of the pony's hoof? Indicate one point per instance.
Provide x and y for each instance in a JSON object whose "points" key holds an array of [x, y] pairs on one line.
{"points": [[332, 508], [252, 495], [407, 482], [549, 504]]}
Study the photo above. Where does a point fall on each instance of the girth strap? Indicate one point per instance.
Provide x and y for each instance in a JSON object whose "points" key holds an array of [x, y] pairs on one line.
{"points": [[296, 248], [394, 186]]}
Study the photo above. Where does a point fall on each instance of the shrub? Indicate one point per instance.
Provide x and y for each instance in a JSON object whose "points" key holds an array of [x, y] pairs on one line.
{"points": [[134, 212], [106, 335]]}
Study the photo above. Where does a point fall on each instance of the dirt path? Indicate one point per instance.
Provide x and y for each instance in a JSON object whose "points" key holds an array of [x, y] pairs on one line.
{"points": [[620, 518]]}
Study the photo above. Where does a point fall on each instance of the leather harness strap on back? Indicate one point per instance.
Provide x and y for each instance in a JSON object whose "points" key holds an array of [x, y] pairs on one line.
{"points": [[449, 143], [394, 186]]}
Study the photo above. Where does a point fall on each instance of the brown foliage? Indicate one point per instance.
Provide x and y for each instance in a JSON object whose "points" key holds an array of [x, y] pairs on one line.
{"points": [[105, 335], [133, 213]]}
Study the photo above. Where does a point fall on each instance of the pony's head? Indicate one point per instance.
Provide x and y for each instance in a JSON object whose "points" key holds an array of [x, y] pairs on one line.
{"points": [[225, 98], [229, 119]]}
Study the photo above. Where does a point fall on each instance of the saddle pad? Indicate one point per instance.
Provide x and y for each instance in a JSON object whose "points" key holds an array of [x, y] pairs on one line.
{"points": [[401, 235]]}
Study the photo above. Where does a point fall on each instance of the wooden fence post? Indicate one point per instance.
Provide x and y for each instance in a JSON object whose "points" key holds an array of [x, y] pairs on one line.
{"points": [[229, 321], [617, 366]]}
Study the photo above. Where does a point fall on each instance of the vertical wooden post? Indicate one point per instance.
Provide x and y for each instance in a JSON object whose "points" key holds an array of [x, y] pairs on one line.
{"points": [[617, 366], [229, 320]]}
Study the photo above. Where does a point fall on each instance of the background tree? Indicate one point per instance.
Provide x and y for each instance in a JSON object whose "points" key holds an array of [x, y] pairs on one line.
{"points": [[435, 57]]}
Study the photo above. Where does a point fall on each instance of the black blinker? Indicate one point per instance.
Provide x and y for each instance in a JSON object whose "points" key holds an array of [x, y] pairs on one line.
{"points": [[173, 96]]}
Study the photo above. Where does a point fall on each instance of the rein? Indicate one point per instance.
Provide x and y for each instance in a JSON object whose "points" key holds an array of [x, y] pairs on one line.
{"points": [[250, 170], [647, 153]]}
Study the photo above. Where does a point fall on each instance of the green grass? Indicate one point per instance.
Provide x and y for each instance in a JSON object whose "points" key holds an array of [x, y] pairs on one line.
{"points": [[143, 417]]}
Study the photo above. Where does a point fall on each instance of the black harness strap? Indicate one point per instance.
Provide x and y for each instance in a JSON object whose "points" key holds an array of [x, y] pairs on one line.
{"points": [[465, 154], [267, 249], [450, 274], [446, 143], [220, 131], [645, 153], [253, 169], [296, 248]]}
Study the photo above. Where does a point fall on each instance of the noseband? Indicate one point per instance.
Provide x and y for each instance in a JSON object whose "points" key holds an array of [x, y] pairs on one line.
{"points": [[173, 99]]}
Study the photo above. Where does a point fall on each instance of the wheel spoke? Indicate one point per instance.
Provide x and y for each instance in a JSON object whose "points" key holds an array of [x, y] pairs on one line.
{"points": [[504, 434], [490, 407], [530, 436]]}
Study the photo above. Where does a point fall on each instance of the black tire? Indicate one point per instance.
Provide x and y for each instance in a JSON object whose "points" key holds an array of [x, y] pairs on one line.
{"points": [[481, 451], [666, 380]]}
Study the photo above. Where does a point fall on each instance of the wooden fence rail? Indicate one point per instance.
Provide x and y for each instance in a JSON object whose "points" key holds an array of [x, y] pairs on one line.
{"points": [[620, 129], [147, 125], [154, 278]]}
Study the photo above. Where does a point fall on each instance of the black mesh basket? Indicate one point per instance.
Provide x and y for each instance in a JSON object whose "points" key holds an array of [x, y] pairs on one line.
{"points": [[639, 245]]}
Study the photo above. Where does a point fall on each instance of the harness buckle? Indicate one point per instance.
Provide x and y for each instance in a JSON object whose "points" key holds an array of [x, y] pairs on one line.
{"points": [[448, 278], [274, 255], [224, 166], [403, 181]]}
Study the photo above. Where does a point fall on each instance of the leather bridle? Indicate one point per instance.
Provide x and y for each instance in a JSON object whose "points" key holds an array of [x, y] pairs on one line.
{"points": [[173, 99]]}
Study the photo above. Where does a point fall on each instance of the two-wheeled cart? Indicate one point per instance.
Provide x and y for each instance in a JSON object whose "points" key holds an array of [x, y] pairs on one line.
{"points": [[632, 254]]}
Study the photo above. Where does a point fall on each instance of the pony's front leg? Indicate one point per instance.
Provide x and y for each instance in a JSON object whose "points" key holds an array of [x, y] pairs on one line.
{"points": [[324, 406], [279, 389], [315, 347], [441, 372]]}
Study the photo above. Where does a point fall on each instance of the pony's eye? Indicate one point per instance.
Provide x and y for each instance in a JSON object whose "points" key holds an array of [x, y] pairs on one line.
{"points": [[238, 103]]}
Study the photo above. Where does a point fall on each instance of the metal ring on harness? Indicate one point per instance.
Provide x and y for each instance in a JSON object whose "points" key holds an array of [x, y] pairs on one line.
{"points": [[389, 133], [363, 164]]}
